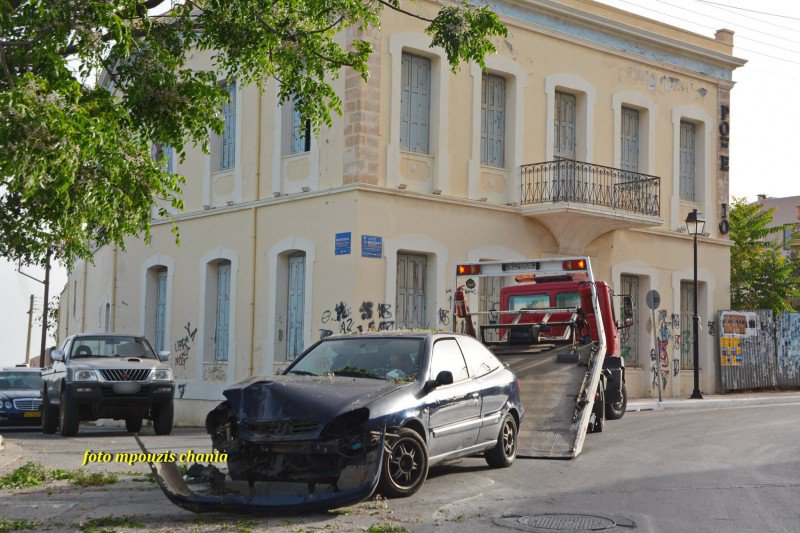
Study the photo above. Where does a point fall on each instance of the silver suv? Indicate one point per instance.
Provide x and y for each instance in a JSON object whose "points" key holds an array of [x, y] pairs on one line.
{"points": [[107, 375]]}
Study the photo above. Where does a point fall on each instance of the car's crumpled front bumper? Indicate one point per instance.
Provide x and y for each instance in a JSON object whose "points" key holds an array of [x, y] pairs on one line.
{"points": [[356, 484]]}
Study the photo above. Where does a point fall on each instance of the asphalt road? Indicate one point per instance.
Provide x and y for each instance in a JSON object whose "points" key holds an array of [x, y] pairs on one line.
{"points": [[735, 469]]}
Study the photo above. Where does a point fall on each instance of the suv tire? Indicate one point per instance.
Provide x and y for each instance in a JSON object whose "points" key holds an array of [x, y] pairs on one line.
{"points": [[163, 416], [69, 417], [133, 425], [49, 417]]}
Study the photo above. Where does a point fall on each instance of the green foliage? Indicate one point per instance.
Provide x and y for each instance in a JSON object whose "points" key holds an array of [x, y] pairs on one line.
{"points": [[86, 87], [762, 277], [6, 524], [34, 474], [96, 525]]}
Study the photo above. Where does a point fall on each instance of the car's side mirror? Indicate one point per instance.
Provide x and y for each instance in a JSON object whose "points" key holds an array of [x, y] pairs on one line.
{"points": [[627, 312], [163, 356], [57, 355], [445, 377]]}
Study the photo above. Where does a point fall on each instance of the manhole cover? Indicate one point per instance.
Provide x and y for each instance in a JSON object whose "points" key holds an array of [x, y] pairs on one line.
{"points": [[567, 522]]}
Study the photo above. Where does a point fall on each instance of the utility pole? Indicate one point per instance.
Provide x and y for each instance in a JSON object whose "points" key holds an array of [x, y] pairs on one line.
{"points": [[45, 309], [45, 305], [30, 327]]}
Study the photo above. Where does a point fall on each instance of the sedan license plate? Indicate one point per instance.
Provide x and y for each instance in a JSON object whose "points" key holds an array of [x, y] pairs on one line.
{"points": [[32, 414]]}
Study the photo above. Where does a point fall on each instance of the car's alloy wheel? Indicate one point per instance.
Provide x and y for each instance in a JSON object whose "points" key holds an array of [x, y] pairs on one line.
{"points": [[405, 465], [505, 451]]}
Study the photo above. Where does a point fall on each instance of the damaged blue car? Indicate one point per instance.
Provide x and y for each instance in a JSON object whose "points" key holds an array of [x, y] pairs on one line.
{"points": [[352, 415]]}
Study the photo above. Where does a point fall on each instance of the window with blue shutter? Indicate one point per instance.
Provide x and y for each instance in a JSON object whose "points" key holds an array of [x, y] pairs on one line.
{"points": [[223, 311], [301, 133], [297, 297], [228, 145], [161, 311], [415, 103], [411, 291], [687, 161], [493, 120]]}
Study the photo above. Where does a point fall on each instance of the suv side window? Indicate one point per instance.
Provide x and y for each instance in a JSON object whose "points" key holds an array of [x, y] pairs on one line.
{"points": [[479, 359], [447, 356]]}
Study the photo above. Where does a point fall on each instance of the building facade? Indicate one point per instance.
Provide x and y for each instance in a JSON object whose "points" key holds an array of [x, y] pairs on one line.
{"points": [[591, 132]]}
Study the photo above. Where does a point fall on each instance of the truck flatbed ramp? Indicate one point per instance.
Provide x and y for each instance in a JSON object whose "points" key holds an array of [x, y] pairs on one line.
{"points": [[553, 386]]}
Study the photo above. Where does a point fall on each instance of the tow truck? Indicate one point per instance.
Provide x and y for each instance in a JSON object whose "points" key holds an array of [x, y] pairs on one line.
{"points": [[556, 328]]}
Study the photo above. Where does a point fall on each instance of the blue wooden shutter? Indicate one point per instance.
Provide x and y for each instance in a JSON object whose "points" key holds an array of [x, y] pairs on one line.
{"points": [[687, 161], [223, 311], [297, 291], [411, 291], [629, 159], [161, 310], [301, 133], [565, 126], [415, 103], [228, 154], [493, 120]]}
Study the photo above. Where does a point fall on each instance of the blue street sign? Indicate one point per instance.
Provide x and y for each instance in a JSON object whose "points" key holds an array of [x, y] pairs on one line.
{"points": [[371, 246], [342, 246]]}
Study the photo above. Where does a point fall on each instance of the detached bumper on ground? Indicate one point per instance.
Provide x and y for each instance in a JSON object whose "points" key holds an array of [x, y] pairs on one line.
{"points": [[356, 483]]}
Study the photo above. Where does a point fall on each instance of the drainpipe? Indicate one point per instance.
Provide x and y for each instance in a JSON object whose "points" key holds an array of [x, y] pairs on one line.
{"points": [[255, 245], [83, 306], [114, 291]]}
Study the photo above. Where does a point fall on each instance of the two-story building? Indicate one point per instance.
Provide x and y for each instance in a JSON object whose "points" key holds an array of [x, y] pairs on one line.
{"points": [[592, 131]]}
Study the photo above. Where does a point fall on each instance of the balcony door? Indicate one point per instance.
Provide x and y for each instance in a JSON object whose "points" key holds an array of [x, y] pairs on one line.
{"points": [[565, 188], [627, 184]]}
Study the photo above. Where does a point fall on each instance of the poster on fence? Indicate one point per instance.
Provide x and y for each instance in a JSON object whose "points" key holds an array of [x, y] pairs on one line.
{"points": [[730, 351], [739, 325]]}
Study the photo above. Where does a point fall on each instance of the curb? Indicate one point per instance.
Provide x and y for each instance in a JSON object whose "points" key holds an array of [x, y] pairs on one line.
{"points": [[716, 403], [9, 455]]}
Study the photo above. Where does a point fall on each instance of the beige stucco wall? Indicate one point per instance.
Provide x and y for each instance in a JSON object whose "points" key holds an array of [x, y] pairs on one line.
{"points": [[271, 205]]}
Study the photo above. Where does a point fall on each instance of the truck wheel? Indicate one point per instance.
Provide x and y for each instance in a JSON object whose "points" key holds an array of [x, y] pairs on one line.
{"points": [[163, 416], [69, 417], [133, 425], [505, 451], [599, 413], [49, 417], [405, 465], [616, 410]]}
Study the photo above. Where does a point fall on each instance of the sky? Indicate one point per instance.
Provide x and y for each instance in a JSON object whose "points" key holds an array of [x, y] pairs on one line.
{"points": [[765, 117]]}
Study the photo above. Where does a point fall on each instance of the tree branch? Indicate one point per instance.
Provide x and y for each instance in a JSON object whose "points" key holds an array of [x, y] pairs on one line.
{"points": [[5, 67], [403, 11]]}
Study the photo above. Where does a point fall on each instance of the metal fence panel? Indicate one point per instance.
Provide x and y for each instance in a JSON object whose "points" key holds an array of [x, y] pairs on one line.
{"points": [[747, 350], [787, 336]]}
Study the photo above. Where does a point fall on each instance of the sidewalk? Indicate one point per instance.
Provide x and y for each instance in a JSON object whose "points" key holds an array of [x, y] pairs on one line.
{"points": [[715, 401]]}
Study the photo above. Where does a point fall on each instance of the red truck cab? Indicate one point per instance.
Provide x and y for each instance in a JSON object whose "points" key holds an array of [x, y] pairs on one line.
{"points": [[566, 294]]}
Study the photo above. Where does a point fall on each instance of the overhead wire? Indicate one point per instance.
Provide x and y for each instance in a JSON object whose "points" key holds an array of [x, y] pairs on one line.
{"points": [[762, 21], [749, 10], [705, 26]]}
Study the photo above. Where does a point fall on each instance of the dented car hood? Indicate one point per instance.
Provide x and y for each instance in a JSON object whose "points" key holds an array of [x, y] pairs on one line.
{"points": [[319, 398]]}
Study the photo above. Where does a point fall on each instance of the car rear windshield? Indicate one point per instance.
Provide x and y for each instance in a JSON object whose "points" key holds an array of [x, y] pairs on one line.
{"points": [[529, 301], [381, 358], [111, 346], [20, 381]]}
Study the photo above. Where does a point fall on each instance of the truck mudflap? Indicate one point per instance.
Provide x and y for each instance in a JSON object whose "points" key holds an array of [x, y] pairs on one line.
{"points": [[356, 484]]}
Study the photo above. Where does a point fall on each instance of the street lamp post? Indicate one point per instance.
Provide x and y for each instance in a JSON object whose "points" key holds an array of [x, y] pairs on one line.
{"points": [[695, 225]]}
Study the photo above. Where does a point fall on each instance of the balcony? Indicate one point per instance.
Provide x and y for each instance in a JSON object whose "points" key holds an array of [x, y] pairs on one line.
{"points": [[580, 201]]}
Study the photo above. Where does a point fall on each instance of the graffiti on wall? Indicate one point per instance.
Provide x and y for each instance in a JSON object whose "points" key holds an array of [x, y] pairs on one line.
{"points": [[341, 320], [183, 346], [215, 372]]}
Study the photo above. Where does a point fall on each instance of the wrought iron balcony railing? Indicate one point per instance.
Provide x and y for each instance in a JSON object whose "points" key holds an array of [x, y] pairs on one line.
{"points": [[566, 180]]}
